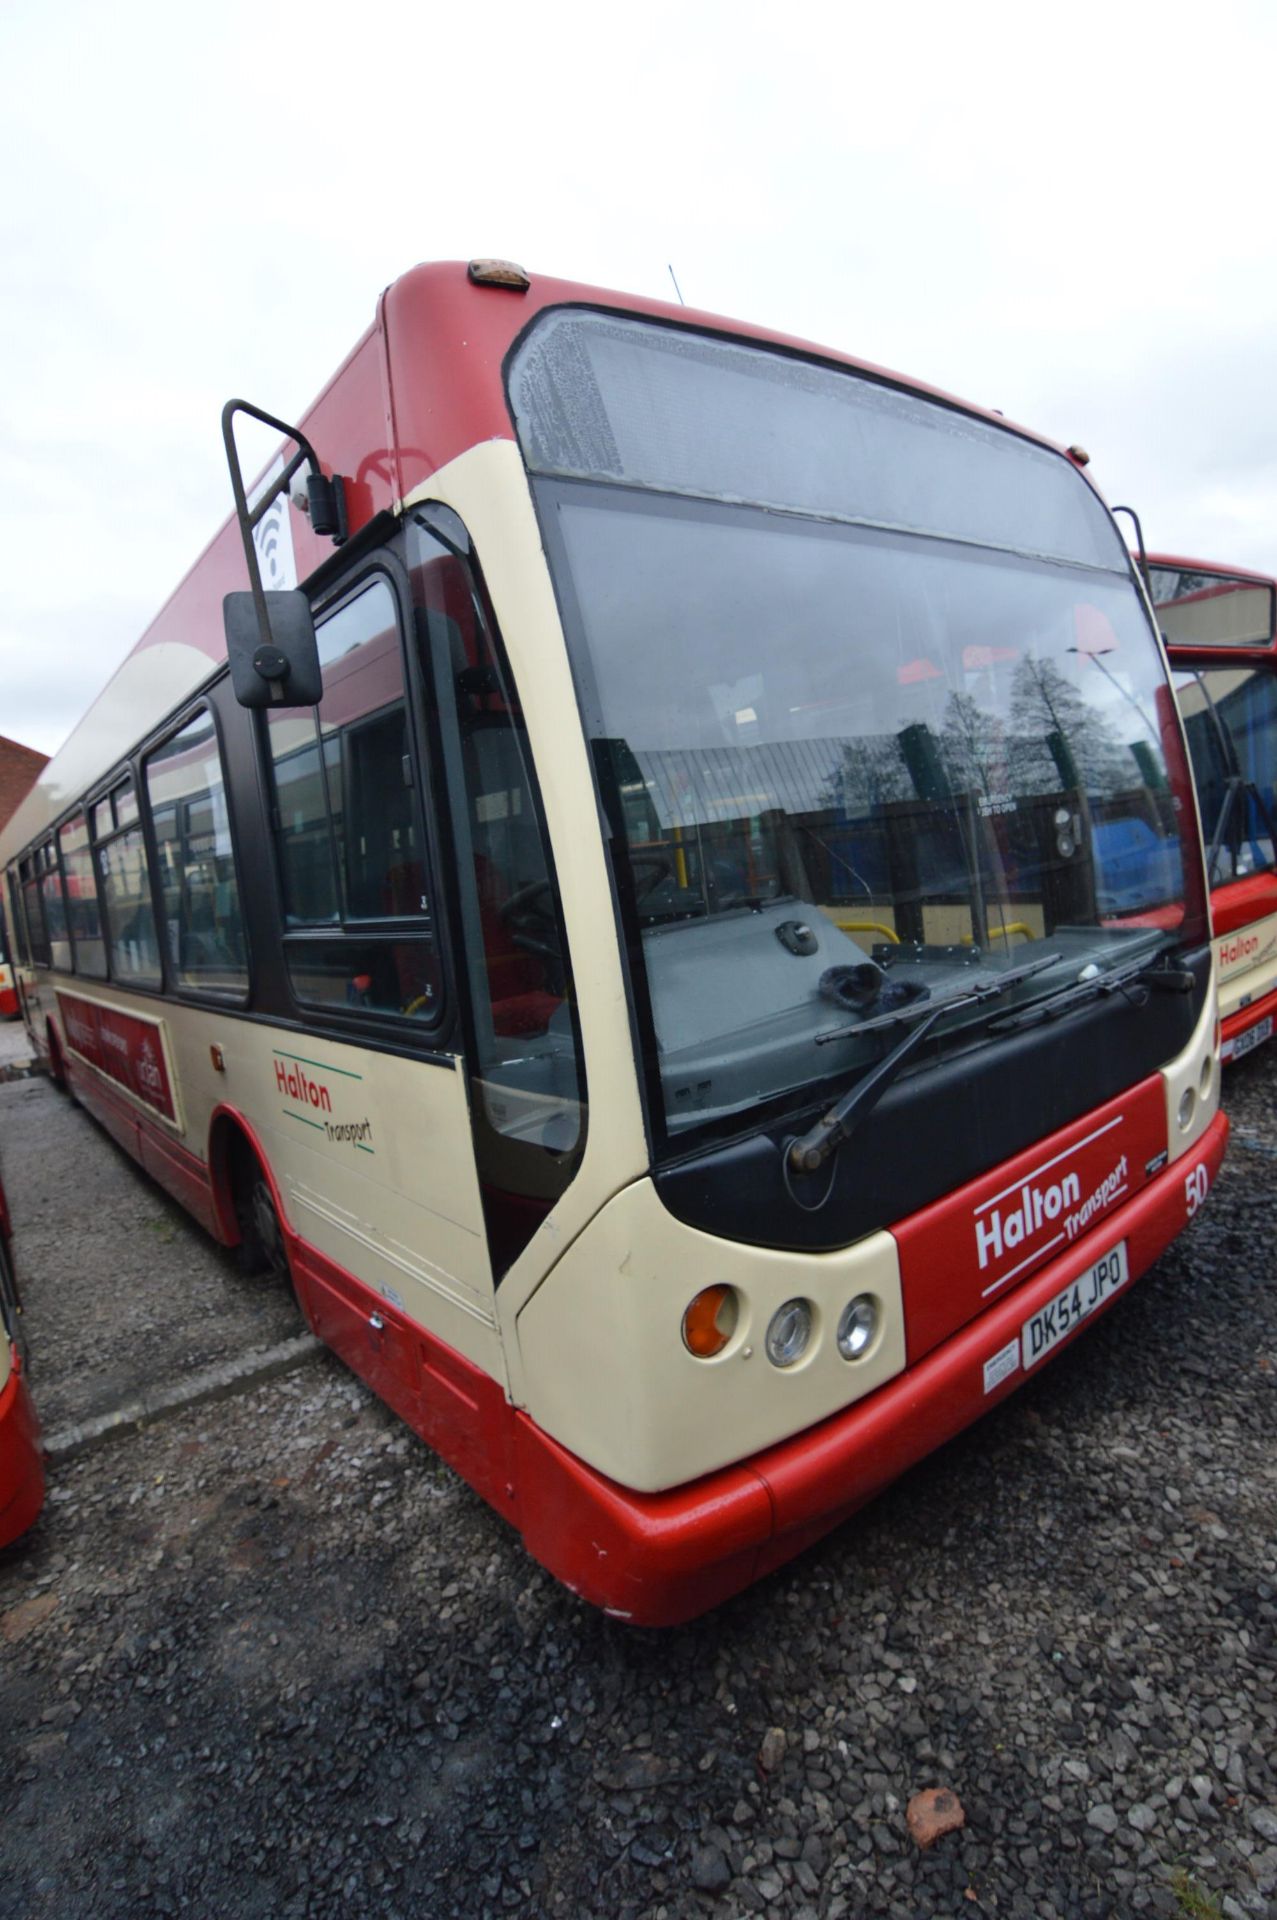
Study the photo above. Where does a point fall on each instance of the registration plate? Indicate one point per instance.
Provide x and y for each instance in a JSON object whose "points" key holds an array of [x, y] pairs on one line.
{"points": [[1254, 1037], [1057, 1319]]}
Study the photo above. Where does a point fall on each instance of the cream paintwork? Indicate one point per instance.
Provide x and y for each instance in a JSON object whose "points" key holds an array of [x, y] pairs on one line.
{"points": [[1187, 1070], [1251, 974], [488, 487], [608, 1374], [406, 1220]]}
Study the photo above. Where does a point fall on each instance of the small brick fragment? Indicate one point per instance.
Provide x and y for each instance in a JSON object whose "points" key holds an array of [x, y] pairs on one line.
{"points": [[19, 1620], [933, 1813]]}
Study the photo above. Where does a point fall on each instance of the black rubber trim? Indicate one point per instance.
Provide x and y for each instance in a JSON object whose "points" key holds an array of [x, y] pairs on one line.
{"points": [[935, 1130]]}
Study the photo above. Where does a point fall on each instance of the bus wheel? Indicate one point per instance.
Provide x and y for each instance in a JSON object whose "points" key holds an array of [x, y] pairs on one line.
{"points": [[261, 1250]]}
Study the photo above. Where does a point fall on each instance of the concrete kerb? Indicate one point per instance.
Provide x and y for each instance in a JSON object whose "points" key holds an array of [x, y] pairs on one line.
{"points": [[175, 1396]]}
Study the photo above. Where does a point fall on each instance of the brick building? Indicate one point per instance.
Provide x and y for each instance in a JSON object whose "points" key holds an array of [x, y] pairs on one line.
{"points": [[19, 767]]}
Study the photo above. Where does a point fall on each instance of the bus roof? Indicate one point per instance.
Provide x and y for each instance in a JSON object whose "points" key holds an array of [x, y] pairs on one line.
{"points": [[386, 426]]}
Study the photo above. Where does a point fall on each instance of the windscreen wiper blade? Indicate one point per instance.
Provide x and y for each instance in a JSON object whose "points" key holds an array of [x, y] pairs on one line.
{"points": [[1135, 982], [990, 988], [810, 1151]]}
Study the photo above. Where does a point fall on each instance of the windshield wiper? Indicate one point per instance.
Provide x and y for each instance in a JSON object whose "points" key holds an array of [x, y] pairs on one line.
{"points": [[810, 1151], [991, 988], [1134, 981]]}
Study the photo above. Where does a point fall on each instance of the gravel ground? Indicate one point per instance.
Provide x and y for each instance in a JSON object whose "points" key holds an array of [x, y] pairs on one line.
{"points": [[15, 1048], [272, 1658], [121, 1288]]}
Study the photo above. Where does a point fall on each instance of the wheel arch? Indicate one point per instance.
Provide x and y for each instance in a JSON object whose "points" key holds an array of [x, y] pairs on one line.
{"points": [[228, 1133]]}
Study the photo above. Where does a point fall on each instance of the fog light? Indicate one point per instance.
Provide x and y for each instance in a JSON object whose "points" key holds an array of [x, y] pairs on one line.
{"points": [[788, 1333], [857, 1327], [1204, 1083], [710, 1321], [1187, 1104]]}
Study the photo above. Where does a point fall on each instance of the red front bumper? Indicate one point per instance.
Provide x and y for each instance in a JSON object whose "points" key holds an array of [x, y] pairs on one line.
{"points": [[659, 1559], [21, 1464]]}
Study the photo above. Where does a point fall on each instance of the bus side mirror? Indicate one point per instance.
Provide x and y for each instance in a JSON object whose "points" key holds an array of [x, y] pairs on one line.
{"points": [[279, 670]]}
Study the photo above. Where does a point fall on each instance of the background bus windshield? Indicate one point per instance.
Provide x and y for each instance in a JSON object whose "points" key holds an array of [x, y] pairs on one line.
{"points": [[850, 767]]}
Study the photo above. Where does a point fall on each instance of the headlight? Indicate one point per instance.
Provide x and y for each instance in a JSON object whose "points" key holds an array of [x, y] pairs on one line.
{"points": [[1187, 1104], [858, 1326], [788, 1333]]}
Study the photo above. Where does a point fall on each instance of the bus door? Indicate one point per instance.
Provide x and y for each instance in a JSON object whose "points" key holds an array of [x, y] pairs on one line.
{"points": [[368, 1104], [527, 1099]]}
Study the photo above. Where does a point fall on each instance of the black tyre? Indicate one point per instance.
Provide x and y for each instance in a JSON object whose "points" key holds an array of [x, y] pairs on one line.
{"points": [[262, 1251]]}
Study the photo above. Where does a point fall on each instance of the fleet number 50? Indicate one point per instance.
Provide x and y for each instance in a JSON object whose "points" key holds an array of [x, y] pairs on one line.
{"points": [[1196, 1186]]}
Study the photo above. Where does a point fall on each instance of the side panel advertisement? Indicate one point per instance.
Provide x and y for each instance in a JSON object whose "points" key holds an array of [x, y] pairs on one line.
{"points": [[126, 1047]]}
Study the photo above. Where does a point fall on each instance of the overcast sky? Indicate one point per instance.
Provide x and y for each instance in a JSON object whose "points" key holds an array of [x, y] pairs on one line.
{"points": [[1064, 212]]}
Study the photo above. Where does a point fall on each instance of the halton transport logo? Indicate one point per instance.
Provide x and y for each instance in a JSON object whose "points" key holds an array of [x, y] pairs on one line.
{"points": [[299, 1086], [293, 1083], [1245, 950], [1021, 1215]]}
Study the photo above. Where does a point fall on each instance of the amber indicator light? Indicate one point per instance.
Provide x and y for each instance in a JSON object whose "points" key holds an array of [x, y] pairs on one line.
{"points": [[710, 1322]]}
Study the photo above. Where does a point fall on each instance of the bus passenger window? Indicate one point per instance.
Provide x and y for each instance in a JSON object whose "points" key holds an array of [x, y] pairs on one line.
{"points": [[359, 934], [55, 911], [17, 921], [82, 899], [33, 912], [203, 926], [126, 895]]}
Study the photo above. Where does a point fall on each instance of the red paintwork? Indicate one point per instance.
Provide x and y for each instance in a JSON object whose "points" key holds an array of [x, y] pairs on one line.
{"points": [[662, 1559], [21, 1462], [8, 1002], [943, 1281], [424, 384], [658, 1559]]}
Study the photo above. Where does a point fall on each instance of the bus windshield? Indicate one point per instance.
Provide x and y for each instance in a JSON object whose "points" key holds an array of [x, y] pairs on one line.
{"points": [[875, 708]]}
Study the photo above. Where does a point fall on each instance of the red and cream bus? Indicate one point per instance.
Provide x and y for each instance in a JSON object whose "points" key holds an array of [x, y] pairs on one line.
{"points": [[656, 957], [1221, 638], [21, 1462]]}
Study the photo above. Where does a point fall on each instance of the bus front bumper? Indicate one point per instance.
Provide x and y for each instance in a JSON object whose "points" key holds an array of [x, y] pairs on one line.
{"points": [[660, 1559]]}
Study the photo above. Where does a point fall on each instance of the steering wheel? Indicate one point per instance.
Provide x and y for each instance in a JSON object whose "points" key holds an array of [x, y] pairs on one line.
{"points": [[530, 917]]}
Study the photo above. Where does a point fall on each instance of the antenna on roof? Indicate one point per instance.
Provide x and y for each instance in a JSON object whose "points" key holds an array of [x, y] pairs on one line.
{"points": [[678, 290]]}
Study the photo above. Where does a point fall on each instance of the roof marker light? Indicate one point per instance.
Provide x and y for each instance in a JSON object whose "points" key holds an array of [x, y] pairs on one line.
{"points": [[1080, 456], [498, 273]]}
